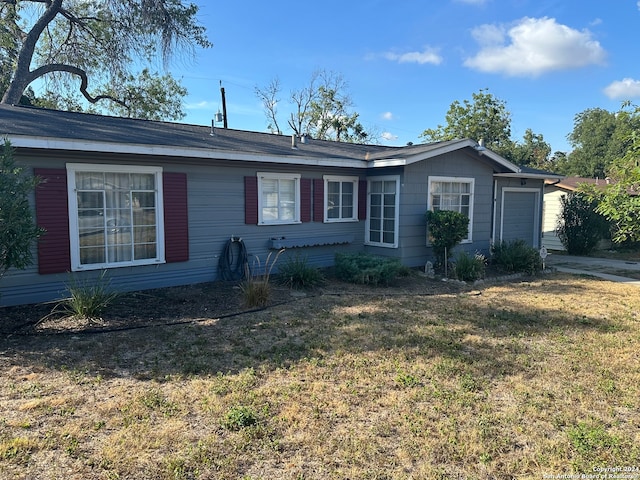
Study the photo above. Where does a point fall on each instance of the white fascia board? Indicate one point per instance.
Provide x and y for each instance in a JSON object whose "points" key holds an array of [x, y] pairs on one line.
{"points": [[529, 175], [46, 143], [447, 147]]}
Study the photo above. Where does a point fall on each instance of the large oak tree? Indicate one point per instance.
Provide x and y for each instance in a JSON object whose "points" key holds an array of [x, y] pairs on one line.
{"points": [[96, 47]]}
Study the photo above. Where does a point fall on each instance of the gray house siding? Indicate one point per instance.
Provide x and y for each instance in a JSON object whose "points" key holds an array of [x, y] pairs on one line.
{"points": [[216, 207], [414, 200]]}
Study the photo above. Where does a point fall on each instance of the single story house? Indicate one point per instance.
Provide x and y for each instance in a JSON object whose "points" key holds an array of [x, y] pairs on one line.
{"points": [[555, 190], [156, 202]]}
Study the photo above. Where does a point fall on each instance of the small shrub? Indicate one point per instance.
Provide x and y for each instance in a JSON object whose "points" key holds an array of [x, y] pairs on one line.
{"points": [[580, 227], [257, 287], [469, 268], [297, 274], [516, 256], [446, 229], [368, 269], [88, 298], [239, 417]]}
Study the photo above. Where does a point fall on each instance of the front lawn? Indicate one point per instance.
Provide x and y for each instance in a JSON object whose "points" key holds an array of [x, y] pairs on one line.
{"points": [[516, 380]]}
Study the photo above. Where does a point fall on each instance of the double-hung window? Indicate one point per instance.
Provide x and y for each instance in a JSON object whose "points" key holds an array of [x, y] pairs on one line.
{"points": [[453, 193], [115, 216], [383, 199], [278, 198], [340, 199]]}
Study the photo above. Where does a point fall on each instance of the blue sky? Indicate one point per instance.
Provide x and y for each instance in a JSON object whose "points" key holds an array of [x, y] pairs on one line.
{"points": [[405, 62]]}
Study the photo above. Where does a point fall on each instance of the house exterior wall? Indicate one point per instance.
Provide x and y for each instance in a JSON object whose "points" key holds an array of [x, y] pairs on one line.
{"points": [[552, 209], [413, 250], [216, 212]]}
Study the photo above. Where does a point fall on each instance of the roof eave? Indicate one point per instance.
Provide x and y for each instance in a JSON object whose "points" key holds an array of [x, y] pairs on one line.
{"points": [[22, 141]]}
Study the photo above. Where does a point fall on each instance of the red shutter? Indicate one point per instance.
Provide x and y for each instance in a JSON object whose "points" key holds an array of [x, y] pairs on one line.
{"points": [[318, 200], [176, 219], [52, 214], [305, 199], [362, 200], [251, 200]]}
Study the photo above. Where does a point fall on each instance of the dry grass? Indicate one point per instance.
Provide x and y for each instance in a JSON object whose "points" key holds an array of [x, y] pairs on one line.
{"points": [[517, 380]]}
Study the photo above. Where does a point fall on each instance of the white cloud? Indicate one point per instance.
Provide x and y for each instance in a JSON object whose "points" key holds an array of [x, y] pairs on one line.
{"points": [[203, 105], [428, 55], [624, 89], [388, 136], [386, 116], [533, 46]]}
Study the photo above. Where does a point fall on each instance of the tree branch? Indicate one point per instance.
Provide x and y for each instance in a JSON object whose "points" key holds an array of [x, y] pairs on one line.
{"points": [[84, 81]]}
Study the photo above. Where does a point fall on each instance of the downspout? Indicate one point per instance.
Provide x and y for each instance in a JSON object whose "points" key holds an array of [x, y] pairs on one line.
{"points": [[495, 213]]}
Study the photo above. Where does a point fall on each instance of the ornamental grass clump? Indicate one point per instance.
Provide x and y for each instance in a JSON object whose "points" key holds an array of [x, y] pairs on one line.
{"points": [[256, 286], [296, 273], [88, 298]]}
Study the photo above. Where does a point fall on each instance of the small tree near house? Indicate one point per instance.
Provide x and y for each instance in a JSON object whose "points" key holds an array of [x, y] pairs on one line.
{"points": [[18, 230], [446, 229]]}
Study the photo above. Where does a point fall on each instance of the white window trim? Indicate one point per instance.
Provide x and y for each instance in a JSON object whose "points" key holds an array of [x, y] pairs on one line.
{"points": [[279, 176], [470, 180], [395, 178], [341, 179], [74, 230]]}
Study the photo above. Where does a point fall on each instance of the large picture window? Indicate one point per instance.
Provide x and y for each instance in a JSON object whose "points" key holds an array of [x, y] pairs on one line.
{"points": [[383, 198], [115, 216], [278, 198], [452, 193], [340, 199]]}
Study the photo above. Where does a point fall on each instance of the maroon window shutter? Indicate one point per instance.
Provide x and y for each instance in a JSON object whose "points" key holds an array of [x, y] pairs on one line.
{"points": [[318, 200], [251, 200], [362, 200], [176, 220], [305, 199], [52, 214]]}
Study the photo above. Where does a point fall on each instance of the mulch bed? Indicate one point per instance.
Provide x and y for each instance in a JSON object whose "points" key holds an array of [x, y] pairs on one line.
{"points": [[192, 303]]}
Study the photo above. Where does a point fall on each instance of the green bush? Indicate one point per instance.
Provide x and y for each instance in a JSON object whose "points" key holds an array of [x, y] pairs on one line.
{"points": [[580, 227], [446, 229], [297, 274], [470, 267], [368, 269], [515, 257]]}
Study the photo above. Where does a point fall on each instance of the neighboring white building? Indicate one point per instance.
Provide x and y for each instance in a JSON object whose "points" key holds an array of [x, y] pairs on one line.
{"points": [[552, 207]]}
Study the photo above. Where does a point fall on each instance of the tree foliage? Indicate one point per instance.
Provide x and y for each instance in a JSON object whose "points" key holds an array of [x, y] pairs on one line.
{"points": [[94, 47], [619, 201], [533, 151], [599, 137], [485, 117], [321, 109], [17, 228]]}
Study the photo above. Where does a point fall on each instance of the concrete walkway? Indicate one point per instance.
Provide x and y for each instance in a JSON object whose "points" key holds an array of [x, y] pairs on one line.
{"points": [[605, 268]]}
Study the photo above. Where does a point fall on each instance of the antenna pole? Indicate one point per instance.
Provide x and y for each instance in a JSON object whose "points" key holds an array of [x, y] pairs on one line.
{"points": [[224, 105]]}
